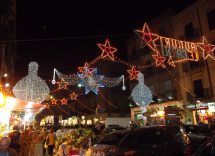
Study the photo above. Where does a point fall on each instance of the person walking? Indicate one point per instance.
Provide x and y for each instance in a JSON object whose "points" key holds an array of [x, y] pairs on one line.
{"points": [[14, 137], [50, 141], [5, 150], [43, 139]]}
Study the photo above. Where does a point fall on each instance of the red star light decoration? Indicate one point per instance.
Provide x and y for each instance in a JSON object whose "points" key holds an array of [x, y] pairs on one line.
{"points": [[133, 73], [85, 69], [159, 60], [54, 101], [73, 96], [47, 106], [171, 62], [207, 48], [107, 50], [64, 101], [62, 85], [147, 38]]}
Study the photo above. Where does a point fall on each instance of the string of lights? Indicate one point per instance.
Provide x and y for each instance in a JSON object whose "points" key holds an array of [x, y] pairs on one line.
{"points": [[173, 76], [107, 101]]}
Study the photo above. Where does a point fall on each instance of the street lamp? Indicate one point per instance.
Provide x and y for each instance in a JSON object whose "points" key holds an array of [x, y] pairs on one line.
{"points": [[2, 99]]}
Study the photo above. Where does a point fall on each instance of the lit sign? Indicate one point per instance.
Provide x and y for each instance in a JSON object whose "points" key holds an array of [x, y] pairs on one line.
{"points": [[178, 50], [171, 51]]}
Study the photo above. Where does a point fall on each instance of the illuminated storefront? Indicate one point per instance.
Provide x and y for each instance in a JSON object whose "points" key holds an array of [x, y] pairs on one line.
{"points": [[203, 112]]}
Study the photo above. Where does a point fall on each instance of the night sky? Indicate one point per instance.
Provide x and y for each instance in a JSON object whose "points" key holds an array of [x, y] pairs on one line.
{"points": [[64, 34]]}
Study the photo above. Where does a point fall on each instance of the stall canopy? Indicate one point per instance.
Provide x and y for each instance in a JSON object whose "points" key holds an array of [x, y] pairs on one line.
{"points": [[14, 104]]}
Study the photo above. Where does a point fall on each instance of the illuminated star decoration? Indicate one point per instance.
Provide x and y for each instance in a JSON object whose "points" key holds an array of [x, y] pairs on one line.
{"points": [[91, 83], [63, 101], [107, 50], [73, 96], [207, 49], [147, 38], [141, 94], [133, 73], [47, 106], [86, 70], [159, 60], [171, 62], [54, 101], [62, 84]]}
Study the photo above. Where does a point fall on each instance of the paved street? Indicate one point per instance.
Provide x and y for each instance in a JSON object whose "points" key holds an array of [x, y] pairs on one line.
{"points": [[38, 150]]}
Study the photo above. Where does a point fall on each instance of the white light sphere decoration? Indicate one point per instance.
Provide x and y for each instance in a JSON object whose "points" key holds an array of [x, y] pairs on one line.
{"points": [[31, 87]]}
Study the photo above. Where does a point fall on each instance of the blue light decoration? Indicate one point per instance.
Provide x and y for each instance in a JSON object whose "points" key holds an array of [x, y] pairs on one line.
{"points": [[91, 82], [89, 79], [141, 94]]}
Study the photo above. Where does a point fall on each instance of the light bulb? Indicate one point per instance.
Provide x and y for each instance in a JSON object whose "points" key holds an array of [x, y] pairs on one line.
{"points": [[53, 81]]}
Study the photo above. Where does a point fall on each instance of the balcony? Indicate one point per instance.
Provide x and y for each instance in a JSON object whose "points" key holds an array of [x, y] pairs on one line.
{"points": [[206, 92]]}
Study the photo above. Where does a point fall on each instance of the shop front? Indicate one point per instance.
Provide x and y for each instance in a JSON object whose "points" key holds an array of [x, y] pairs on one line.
{"points": [[159, 114], [203, 113]]}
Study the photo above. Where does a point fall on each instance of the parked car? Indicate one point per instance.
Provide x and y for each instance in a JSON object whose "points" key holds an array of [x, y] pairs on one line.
{"points": [[149, 141], [197, 134], [113, 128], [207, 148]]}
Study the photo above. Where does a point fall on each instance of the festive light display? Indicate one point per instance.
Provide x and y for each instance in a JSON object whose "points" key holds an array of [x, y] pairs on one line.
{"points": [[176, 50], [179, 83], [73, 96], [54, 101], [108, 102], [86, 71], [91, 83], [113, 82], [141, 94], [147, 38], [62, 84], [207, 49], [171, 62], [32, 87], [159, 60], [64, 101], [107, 50], [133, 73]]}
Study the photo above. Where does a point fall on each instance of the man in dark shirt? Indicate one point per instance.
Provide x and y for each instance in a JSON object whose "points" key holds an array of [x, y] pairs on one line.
{"points": [[14, 137]]}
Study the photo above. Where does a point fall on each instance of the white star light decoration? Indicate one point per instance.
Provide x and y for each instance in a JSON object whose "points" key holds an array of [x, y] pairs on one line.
{"points": [[91, 82], [31, 87], [141, 94]]}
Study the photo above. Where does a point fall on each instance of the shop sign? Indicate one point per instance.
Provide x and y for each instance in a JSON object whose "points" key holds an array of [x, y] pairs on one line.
{"points": [[198, 105], [211, 106]]}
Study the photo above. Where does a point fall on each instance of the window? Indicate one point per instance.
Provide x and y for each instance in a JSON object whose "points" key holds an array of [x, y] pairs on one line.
{"points": [[194, 64], [167, 85], [198, 88], [211, 19], [189, 31]]}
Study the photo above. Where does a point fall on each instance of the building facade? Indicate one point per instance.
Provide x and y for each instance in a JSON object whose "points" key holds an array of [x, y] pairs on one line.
{"points": [[190, 85]]}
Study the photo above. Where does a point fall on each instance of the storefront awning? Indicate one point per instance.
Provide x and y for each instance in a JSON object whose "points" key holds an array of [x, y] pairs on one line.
{"points": [[14, 104]]}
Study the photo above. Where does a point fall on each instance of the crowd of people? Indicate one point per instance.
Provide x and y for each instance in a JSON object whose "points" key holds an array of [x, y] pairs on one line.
{"points": [[22, 142]]}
